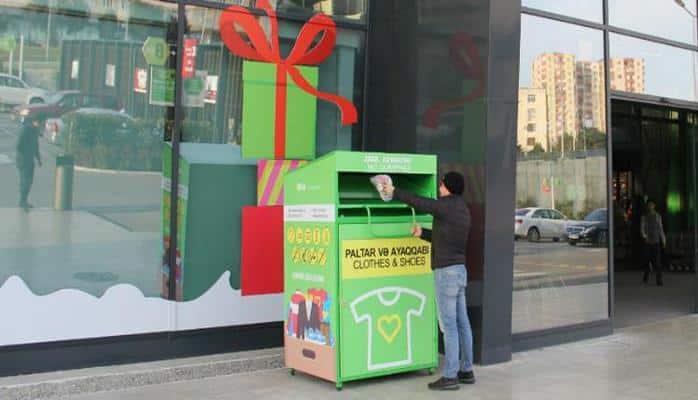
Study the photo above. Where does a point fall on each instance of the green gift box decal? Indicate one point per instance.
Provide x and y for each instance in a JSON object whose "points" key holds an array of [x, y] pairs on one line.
{"points": [[289, 131], [259, 102]]}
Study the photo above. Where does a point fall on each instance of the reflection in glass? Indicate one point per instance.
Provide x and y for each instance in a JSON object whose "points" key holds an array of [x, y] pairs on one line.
{"points": [[84, 76], [670, 19], [583, 9], [639, 66], [217, 118], [560, 261], [346, 9]]}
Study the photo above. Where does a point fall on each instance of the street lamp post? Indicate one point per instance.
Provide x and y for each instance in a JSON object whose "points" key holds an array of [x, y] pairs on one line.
{"points": [[694, 24]]}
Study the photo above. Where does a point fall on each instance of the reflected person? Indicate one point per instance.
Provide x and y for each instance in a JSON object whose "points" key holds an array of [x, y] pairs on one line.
{"points": [[652, 232], [27, 149], [449, 239]]}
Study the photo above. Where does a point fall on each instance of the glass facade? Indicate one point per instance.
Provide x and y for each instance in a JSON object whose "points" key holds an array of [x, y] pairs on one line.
{"points": [[591, 10], [560, 257], [89, 113], [95, 145], [639, 66], [77, 67], [674, 20], [220, 119]]}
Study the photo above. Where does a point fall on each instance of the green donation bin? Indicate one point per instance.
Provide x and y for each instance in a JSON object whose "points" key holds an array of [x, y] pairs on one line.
{"points": [[359, 291]]}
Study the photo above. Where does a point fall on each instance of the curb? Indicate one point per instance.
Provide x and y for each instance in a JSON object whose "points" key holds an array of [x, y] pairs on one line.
{"points": [[116, 171], [111, 381]]}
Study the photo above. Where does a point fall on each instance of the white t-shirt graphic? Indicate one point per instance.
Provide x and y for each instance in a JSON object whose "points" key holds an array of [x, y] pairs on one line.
{"points": [[388, 312]]}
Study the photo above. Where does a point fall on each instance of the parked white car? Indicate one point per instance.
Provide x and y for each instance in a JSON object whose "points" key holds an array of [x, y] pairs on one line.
{"points": [[535, 224], [14, 91]]}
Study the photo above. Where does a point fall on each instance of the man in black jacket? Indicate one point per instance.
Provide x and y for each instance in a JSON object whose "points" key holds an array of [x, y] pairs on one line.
{"points": [[27, 149], [449, 239]]}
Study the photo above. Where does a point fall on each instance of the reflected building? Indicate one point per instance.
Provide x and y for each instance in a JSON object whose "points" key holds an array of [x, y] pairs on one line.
{"points": [[628, 74], [532, 120], [574, 95], [591, 95], [555, 73]]}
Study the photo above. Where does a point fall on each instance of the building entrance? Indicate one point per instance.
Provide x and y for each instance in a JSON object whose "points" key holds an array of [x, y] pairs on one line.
{"points": [[654, 160]]}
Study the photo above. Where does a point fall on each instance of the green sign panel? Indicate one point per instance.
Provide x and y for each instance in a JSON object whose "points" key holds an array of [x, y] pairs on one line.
{"points": [[156, 51], [193, 86], [162, 86], [7, 43], [359, 288]]}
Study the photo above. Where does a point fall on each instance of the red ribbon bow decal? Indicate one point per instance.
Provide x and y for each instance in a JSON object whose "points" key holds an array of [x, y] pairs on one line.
{"points": [[470, 66], [303, 53]]}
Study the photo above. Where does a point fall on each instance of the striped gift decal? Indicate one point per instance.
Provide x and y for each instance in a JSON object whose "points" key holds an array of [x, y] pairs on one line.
{"points": [[270, 180], [474, 180]]}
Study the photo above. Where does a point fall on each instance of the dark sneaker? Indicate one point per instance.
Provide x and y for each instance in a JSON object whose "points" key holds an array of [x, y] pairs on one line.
{"points": [[467, 378], [444, 383]]}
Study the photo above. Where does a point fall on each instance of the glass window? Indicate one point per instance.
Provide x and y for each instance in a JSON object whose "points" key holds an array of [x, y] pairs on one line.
{"points": [[639, 66], [110, 234], [670, 19], [557, 284], [15, 83], [531, 113], [557, 215], [354, 10], [522, 212], [219, 118], [591, 10]]}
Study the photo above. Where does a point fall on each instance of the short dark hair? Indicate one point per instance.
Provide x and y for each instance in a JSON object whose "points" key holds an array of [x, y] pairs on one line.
{"points": [[454, 182]]}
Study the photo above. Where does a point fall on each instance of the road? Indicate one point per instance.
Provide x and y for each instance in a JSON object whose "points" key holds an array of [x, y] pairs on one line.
{"points": [[550, 263], [129, 199]]}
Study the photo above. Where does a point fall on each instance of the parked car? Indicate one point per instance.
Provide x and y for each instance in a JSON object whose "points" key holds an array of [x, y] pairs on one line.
{"points": [[14, 91], [535, 224], [593, 229], [62, 102], [55, 128]]}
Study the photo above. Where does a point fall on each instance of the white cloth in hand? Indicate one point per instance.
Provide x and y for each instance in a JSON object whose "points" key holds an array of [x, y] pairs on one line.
{"points": [[381, 182]]}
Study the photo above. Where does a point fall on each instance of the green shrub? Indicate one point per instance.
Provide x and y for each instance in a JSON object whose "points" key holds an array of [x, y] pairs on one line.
{"points": [[111, 141]]}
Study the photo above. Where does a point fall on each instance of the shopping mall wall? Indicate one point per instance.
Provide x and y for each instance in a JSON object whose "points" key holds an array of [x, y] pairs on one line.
{"points": [[88, 258], [450, 89], [101, 259]]}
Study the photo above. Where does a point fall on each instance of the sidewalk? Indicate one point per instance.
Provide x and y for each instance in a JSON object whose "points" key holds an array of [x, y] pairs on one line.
{"points": [[655, 361]]}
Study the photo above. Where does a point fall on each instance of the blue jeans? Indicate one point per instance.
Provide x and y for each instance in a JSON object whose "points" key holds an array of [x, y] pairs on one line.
{"points": [[453, 318]]}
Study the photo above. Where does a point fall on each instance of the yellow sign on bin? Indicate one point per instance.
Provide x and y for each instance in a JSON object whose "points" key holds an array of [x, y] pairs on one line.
{"points": [[385, 257]]}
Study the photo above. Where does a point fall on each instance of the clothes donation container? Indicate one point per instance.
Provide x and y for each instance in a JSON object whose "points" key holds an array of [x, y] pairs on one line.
{"points": [[359, 291]]}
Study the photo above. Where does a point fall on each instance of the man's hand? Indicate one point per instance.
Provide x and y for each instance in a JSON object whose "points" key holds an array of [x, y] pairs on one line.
{"points": [[417, 231], [389, 189]]}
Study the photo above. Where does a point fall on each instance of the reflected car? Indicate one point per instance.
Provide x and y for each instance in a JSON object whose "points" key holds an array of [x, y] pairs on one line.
{"points": [[593, 229], [55, 129], [536, 223], [65, 101], [14, 91]]}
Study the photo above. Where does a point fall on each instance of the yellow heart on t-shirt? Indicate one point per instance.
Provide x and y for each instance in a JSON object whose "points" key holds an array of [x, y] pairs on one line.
{"points": [[389, 326]]}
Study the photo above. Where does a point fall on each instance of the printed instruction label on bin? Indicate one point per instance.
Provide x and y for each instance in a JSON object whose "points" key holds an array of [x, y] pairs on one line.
{"points": [[385, 257], [309, 213]]}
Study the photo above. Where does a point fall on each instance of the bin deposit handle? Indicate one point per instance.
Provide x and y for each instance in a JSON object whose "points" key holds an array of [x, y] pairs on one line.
{"points": [[399, 235]]}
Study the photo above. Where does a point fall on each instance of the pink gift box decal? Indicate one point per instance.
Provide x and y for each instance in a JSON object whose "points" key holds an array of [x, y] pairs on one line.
{"points": [[270, 180]]}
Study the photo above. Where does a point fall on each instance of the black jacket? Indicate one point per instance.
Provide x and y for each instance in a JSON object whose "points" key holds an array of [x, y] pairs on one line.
{"points": [[449, 234], [27, 146]]}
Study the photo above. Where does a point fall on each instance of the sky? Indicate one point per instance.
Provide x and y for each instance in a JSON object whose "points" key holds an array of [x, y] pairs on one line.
{"points": [[669, 70]]}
